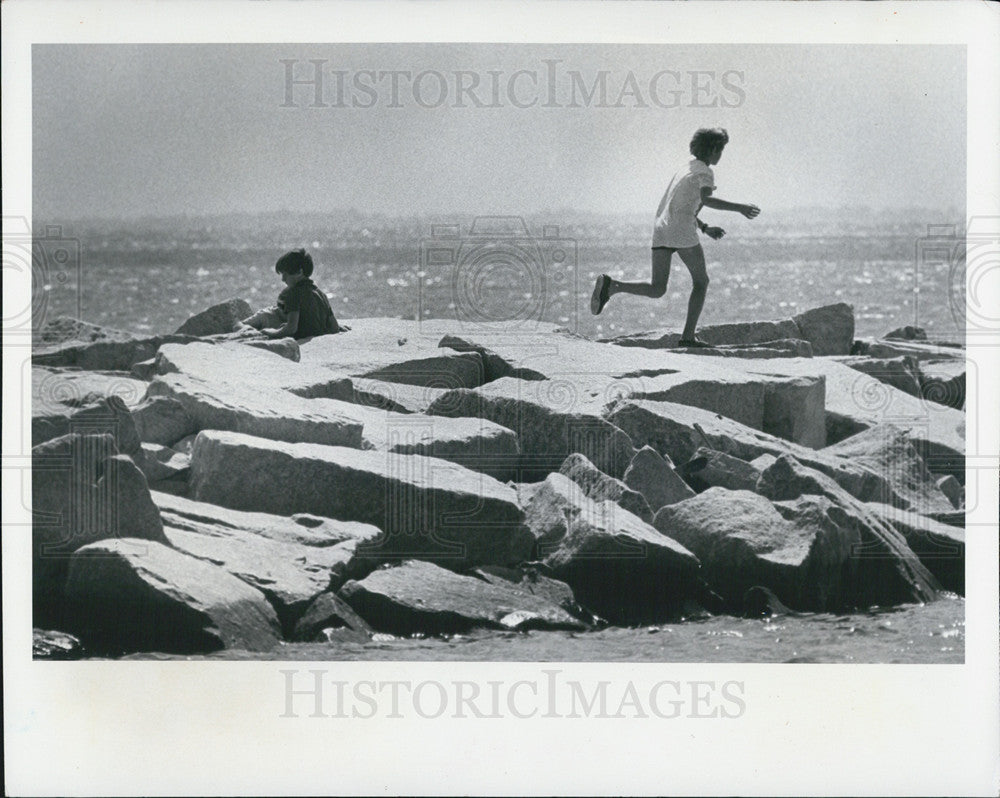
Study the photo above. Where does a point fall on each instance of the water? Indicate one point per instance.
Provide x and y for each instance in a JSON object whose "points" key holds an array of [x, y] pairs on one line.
{"points": [[149, 278]]}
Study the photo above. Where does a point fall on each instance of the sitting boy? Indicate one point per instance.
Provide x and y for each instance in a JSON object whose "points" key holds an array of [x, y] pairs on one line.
{"points": [[302, 310]]}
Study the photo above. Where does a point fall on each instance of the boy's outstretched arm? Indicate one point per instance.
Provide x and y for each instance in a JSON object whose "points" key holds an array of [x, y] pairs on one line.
{"points": [[290, 327], [750, 211]]}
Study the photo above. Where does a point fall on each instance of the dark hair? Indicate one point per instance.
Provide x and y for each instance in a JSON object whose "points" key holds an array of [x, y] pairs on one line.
{"points": [[707, 139], [295, 262]]}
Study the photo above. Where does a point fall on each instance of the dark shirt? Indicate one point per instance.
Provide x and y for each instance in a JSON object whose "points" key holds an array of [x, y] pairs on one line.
{"points": [[315, 315]]}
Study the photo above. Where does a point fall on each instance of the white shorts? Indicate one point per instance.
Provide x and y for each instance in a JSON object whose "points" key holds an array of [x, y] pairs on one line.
{"points": [[676, 233]]}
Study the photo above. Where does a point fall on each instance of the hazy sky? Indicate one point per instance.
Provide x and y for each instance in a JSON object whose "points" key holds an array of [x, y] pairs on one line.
{"points": [[125, 130]]}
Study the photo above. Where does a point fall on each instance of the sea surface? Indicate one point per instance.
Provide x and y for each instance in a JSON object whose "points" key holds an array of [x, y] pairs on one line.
{"points": [[148, 277]]}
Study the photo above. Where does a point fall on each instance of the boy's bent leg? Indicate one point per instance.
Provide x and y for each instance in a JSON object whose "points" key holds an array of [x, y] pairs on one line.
{"points": [[657, 287], [694, 259], [265, 317]]}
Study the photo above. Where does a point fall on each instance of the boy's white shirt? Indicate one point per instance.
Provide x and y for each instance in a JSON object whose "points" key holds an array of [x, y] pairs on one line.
{"points": [[674, 225]]}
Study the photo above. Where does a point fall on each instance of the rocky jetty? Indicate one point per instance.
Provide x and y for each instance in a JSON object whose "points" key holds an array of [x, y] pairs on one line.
{"points": [[209, 489]]}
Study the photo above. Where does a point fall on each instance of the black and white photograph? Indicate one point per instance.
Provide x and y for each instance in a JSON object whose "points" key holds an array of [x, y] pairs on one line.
{"points": [[375, 385]]}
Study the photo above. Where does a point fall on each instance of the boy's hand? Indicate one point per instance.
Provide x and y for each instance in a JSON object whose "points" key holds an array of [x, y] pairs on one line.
{"points": [[750, 211], [715, 232]]}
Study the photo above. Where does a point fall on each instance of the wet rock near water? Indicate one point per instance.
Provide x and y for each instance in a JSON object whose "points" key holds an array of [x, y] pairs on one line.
{"points": [[811, 552], [418, 596], [50, 644], [135, 595], [290, 560], [83, 491], [619, 566], [326, 613]]}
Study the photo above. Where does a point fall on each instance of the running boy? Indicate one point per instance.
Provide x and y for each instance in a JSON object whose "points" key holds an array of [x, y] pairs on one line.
{"points": [[676, 230], [302, 310]]}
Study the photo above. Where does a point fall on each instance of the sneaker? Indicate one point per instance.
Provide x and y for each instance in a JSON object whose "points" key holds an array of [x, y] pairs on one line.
{"points": [[600, 296], [693, 343]]}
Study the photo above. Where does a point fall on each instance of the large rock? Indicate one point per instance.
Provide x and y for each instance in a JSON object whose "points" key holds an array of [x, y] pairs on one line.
{"points": [[830, 329], [601, 487], [530, 579], [58, 390], [917, 350], [110, 415], [951, 488], [899, 372], [375, 344], [583, 376], [943, 382], [655, 478], [477, 444], [907, 333], [163, 420], [883, 552], [449, 370], [234, 366], [790, 408], [395, 396], [65, 328], [711, 468], [82, 491], [221, 318], [107, 355], [290, 560], [807, 556], [161, 462], [940, 547], [425, 506], [280, 415], [287, 348], [938, 433], [51, 644], [330, 617], [277, 414], [422, 597], [744, 333], [548, 424], [677, 431], [889, 452], [618, 566], [134, 595]]}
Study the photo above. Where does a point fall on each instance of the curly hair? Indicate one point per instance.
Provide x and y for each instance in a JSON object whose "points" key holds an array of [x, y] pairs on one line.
{"points": [[295, 262], [707, 139]]}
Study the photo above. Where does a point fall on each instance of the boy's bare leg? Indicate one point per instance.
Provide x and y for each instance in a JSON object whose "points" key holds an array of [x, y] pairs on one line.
{"points": [[694, 259], [657, 286], [266, 317]]}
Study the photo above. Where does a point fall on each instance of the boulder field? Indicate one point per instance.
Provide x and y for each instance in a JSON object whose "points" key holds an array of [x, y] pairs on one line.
{"points": [[212, 490]]}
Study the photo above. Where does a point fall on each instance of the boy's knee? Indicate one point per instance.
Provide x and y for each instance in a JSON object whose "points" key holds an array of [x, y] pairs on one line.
{"points": [[659, 289], [701, 283]]}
